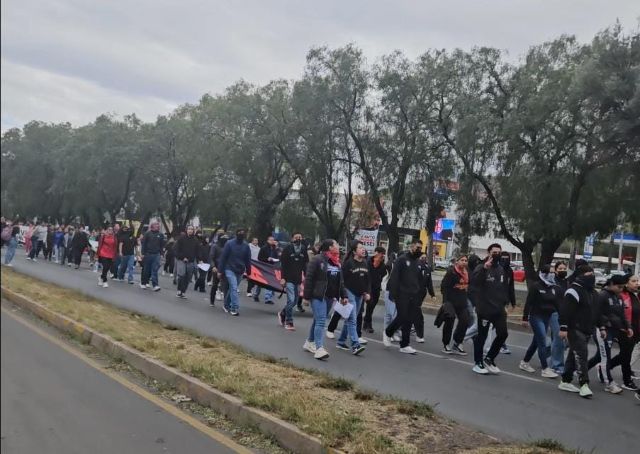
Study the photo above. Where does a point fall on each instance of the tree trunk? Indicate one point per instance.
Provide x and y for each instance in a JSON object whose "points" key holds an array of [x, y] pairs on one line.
{"points": [[529, 265], [572, 255], [263, 225], [394, 238], [548, 250]]}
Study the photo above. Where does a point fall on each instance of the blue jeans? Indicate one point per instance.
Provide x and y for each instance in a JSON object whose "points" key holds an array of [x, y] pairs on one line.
{"points": [[320, 309], [12, 244], [126, 264], [268, 295], [390, 310], [231, 301], [151, 265], [116, 265], [292, 299], [557, 344], [473, 324], [349, 326], [539, 325]]}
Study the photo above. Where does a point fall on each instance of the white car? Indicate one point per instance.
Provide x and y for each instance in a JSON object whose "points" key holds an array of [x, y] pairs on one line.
{"points": [[601, 279]]}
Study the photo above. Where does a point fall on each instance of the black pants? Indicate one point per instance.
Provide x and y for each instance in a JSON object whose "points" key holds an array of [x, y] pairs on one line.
{"points": [[77, 257], [36, 247], [499, 321], [577, 358], [408, 308], [201, 281], [623, 358], [603, 355], [186, 273], [215, 282], [48, 252], [106, 267], [249, 286], [462, 314], [371, 305]]}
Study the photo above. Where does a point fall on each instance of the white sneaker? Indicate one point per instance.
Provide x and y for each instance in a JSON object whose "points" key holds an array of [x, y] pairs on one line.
{"points": [[491, 366], [569, 387], [396, 338], [613, 388], [100, 282], [549, 373], [386, 340], [105, 285], [249, 295], [480, 369], [156, 288], [363, 341], [309, 346], [409, 350], [321, 353], [162, 274], [585, 391], [143, 287], [330, 335], [420, 340], [525, 366]]}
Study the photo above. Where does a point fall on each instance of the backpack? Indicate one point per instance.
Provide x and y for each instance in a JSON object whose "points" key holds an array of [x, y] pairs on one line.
{"points": [[6, 233]]}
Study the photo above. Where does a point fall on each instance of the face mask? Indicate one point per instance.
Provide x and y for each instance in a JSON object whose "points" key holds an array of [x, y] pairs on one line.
{"points": [[417, 253], [588, 282], [505, 261], [561, 274], [297, 242], [240, 237]]}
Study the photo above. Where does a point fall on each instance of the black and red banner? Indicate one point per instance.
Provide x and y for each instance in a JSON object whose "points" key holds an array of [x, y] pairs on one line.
{"points": [[266, 275]]}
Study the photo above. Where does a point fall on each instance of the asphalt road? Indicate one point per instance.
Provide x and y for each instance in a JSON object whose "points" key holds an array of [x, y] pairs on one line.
{"points": [[513, 405], [54, 402]]}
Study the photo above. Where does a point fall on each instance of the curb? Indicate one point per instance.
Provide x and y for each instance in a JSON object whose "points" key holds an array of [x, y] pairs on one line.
{"points": [[287, 435]]}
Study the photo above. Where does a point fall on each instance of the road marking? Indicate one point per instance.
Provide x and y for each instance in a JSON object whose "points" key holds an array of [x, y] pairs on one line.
{"points": [[466, 363], [172, 410]]}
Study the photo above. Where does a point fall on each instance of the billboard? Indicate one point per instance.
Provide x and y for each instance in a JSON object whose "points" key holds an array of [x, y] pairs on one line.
{"points": [[444, 229]]}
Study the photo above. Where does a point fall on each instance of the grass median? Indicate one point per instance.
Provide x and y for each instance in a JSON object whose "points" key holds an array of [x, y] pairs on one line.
{"points": [[334, 409]]}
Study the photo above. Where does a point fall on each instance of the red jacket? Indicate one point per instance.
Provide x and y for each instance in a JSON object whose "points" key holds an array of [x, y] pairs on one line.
{"points": [[107, 247]]}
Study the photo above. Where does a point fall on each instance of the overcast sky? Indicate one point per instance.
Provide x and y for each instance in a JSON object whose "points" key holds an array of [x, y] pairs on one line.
{"points": [[71, 60]]}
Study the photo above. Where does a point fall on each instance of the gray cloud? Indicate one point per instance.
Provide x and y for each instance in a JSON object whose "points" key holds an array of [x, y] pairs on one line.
{"points": [[70, 60]]}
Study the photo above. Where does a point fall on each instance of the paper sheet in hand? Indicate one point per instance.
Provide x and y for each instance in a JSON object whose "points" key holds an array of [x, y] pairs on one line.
{"points": [[204, 266], [93, 245], [344, 311]]}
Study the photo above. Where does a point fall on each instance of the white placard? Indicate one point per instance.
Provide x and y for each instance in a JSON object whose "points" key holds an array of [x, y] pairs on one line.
{"points": [[369, 239], [343, 310]]}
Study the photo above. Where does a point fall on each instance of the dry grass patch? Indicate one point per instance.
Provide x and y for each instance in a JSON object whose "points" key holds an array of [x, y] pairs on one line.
{"points": [[331, 408]]}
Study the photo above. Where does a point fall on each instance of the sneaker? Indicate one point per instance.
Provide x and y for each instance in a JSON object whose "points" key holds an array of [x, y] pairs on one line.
{"points": [[408, 350], [143, 287], [179, 294], [163, 273], [505, 350], [491, 366], [330, 335], [369, 330], [586, 392], [256, 299], [480, 369], [321, 353], [212, 303], [105, 285], [289, 327], [630, 386], [396, 338], [226, 309], [525, 366], [569, 387], [420, 340], [613, 388], [100, 282], [309, 346], [300, 309], [357, 350], [234, 313], [363, 341], [386, 340], [638, 395], [548, 373], [268, 302], [69, 265], [131, 282], [281, 318], [340, 346], [156, 288], [458, 350], [249, 294], [10, 265], [446, 349]]}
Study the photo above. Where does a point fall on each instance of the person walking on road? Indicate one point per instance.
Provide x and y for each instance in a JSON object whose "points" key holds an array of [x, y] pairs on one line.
{"points": [[453, 287], [543, 300], [151, 248], [107, 251], [38, 240], [577, 323], [11, 243], [491, 294], [255, 250], [268, 254], [404, 289], [377, 272], [294, 260], [323, 286], [426, 287], [79, 243], [629, 297], [187, 248], [215, 253], [127, 243], [58, 244], [203, 257], [557, 344], [235, 260]]}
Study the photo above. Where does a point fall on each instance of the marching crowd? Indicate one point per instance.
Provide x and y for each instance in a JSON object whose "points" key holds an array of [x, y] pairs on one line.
{"points": [[565, 312]]}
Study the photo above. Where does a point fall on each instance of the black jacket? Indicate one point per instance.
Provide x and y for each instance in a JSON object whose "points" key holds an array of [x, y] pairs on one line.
{"points": [[426, 281], [187, 248], [490, 290], [203, 251], [377, 274], [542, 299], [152, 243], [577, 310], [405, 278], [215, 253], [80, 241], [510, 285], [611, 309], [267, 252], [635, 315], [293, 264], [457, 296], [356, 276], [316, 279]]}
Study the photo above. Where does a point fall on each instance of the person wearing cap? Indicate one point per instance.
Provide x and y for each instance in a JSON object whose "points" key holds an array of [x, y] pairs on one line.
{"points": [[577, 323], [629, 297], [612, 325]]}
